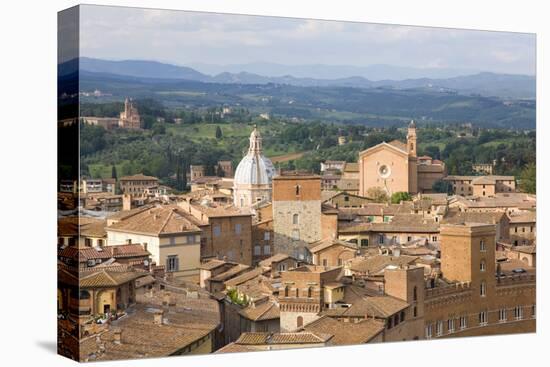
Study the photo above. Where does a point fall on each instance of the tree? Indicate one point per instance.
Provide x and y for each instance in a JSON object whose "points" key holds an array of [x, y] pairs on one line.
{"points": [[377, 194], [528, 179], [218, 132], [159, 128], [113, 172], [441, 187], [398, 197]]}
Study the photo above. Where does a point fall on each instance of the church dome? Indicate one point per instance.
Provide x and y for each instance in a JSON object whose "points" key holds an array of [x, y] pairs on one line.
{"points": [[254, 168]]}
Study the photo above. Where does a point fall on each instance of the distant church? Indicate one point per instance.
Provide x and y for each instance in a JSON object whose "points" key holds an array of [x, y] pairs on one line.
{"points": [[395, 167], [129, 118]]}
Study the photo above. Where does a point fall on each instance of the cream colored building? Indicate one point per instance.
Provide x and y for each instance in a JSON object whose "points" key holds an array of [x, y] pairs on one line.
{"points": [[171, 236]]}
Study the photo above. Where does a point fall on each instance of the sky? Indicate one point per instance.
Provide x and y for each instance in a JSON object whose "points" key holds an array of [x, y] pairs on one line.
{"points": [[191, 38]]}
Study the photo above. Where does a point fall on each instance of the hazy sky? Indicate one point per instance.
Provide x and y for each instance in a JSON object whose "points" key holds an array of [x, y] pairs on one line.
{"points": [[187, 38]]}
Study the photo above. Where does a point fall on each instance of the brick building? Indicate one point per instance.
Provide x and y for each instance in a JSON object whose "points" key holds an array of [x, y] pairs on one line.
{"points": [[296, 212]]}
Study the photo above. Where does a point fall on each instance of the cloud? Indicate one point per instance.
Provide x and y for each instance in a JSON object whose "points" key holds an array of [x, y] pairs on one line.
{"points": [[192, 37]]}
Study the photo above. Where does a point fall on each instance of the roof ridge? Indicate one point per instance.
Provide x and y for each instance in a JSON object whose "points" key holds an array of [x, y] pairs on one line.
{"points": [[166, 221]]}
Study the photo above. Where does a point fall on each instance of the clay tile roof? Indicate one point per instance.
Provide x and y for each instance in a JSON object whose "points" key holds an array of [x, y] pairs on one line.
{"points": [[138, 177], [398, 144], [351, 167], [235, 348], [85, 254], [524, 217], [212, 264], [457, 217], [299, 338], [329, 242], [234, 271], [346, 333], [129, 250], [275, 258], [105, 278], [266, 311], [378, 263], [252, 338], [244, 277], [157, 221]]}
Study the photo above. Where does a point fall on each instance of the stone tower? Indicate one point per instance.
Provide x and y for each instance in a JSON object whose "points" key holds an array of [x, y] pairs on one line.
{"points": [[296, 212], [411, 138], [468, 255]]}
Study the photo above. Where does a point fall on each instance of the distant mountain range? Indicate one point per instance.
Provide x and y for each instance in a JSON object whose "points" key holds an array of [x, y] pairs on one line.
{"points": [[505, 86]]}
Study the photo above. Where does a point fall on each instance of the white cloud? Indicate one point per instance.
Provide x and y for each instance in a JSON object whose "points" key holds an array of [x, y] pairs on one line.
{"points": [[183, 37]]}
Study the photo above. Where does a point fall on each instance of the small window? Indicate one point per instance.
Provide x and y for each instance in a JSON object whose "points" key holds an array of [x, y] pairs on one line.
{"points": [[483, 289], [482, 246], [518, 312], [502, 315], [381, 239], [462, 322], [415, 293], [451, 326], [297, 293], [534, 311], [286, 291], [267, 250], [299, 321], [238, 228], [217, 231], [257, 250], [439, 328], [482, 265], [172, 263], [309, 292], [295, 219], [415, 311], [483, 318], [267, 235], [364, 242], [297, 189], [429, 330]]}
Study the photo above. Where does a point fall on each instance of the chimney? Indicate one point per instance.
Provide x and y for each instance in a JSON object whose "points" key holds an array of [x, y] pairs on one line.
{"points": [[117, 335], [158, 317]]}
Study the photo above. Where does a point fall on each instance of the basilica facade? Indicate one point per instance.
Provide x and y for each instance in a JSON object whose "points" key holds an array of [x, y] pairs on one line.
{"points": [[395, 167]]}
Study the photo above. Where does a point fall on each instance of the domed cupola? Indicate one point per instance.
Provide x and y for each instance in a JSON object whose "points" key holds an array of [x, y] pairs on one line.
{"points": [[252, 181]]}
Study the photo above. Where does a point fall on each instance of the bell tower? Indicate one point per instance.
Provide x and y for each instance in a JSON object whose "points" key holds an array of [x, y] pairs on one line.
{"points": [[411, 139]]}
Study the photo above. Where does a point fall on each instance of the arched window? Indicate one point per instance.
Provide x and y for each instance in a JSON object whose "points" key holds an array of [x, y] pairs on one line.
{"points": [[286, 291], [309, 292], [295, 218], [415, 294], [299, 321]]}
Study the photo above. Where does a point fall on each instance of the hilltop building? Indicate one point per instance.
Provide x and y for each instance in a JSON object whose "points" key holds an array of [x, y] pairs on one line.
{"points": [[129, 118], [252, 182], [395, 167]]}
